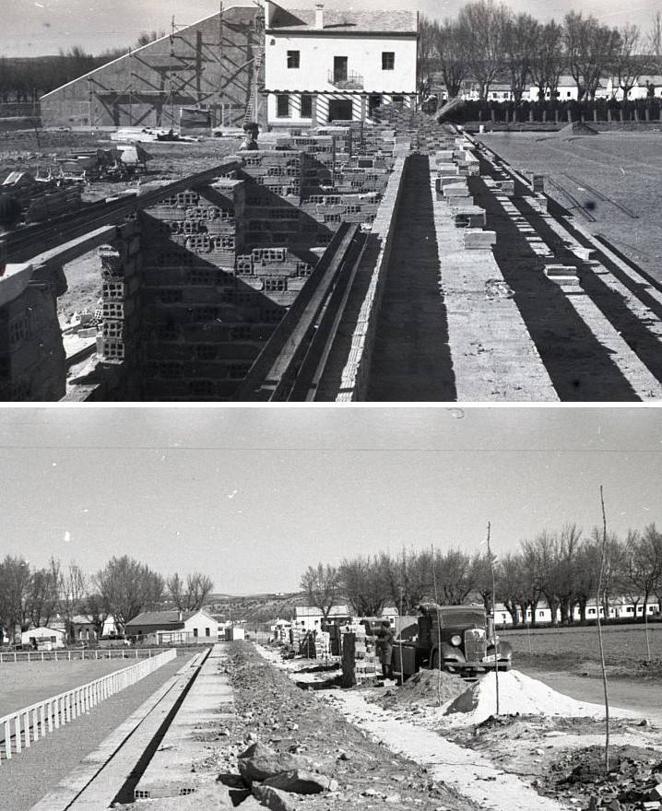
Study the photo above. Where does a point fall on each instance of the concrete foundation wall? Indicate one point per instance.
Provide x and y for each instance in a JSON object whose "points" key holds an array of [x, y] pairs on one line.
{"points": [[205, 64], [32, 357]]}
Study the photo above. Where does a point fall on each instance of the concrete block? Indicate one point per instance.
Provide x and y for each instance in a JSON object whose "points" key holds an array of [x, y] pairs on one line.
{"points": [[456, 190], [469, 216], [478, 240]]}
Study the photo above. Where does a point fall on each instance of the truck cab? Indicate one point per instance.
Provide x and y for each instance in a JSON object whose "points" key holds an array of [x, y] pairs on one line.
{"points": [[457, 638]]}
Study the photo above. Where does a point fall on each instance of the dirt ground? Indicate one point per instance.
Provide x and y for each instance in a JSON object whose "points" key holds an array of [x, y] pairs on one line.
{"points": [[35, 152], [272, 710], [616, 174], [24, 683], [557, 751]]}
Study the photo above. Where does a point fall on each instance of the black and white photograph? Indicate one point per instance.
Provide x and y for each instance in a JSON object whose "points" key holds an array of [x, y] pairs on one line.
{"points": [[385, 608], [330, 405], [451, 202]]}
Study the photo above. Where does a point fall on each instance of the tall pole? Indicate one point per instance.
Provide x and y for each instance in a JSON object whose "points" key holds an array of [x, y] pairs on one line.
{"points": [[603, 556], [496, 652]]}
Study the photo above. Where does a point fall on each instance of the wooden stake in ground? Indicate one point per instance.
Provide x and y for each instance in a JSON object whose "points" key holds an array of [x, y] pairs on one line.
{"points": [[603, 557], [493, 613]]}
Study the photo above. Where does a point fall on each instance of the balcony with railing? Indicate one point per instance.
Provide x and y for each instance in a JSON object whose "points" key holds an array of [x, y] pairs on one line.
{"points": [[346, 81]]}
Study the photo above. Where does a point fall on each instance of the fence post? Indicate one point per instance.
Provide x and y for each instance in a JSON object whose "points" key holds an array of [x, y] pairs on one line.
{"points": [[26, 729], [17, 733], [8, 740]]}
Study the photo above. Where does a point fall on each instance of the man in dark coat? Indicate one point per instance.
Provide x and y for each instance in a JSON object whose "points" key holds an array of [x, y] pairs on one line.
{"points": [[384, 649]]}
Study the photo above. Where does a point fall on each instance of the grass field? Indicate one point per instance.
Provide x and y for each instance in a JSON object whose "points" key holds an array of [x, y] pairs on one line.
{"points": [[25, 683], [571, 647], [605, 171]]}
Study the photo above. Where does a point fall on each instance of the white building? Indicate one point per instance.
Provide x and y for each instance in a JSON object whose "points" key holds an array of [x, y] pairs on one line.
{"points": [[173, 627], [326, 64], [42, 637], [640, 90], [619, 608]]}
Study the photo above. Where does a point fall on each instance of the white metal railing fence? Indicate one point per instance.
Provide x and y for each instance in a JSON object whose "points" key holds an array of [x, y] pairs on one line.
{"points": [[18, 730], [76, 655]]}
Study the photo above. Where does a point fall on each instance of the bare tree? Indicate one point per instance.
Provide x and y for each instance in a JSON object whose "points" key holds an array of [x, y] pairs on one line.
{"points": [[42, 597], [548, 60], [590, 49], [450, 48], [628, 65], [483, 26], [127, 587], [654, 41], [364, 584], [320, 585], [14, 585], [72, 587], [521, 40], [189, 596]]}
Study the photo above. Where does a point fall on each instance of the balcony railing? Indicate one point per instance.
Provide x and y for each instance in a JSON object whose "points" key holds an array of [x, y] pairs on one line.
{"points": [[346, 81]]}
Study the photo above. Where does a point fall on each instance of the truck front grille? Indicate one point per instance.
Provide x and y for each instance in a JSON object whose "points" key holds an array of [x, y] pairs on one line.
{"points": [[475, 644]]}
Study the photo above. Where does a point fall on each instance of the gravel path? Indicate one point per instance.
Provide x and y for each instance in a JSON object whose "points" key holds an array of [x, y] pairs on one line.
{"points": [[33, 773], [25, 683]]}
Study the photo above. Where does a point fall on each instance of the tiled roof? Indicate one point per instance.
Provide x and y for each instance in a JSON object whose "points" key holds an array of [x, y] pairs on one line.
{"points": [[161, 618], [335, 20]]}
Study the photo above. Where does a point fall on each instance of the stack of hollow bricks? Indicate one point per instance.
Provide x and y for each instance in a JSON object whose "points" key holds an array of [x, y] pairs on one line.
{"points": [[222, 264], [121, 266]]}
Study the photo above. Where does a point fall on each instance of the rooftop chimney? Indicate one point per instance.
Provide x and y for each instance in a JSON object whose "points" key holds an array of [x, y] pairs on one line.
{"points": [[319, 15]]}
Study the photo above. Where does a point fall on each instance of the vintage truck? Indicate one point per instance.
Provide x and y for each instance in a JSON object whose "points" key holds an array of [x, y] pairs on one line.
{"points": [[457, 638]]}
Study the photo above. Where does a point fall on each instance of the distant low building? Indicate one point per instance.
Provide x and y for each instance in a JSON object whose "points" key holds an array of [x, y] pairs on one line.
{"points": [[619, 608], [84, 629], [43, 637], [173, 627]]}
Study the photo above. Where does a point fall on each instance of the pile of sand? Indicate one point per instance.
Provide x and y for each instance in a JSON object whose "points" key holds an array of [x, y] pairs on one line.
{"points": [[576, 128], [518, 694]]}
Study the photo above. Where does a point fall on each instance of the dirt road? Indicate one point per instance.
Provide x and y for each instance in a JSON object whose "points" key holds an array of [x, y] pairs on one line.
{"points": [[642, 697]]}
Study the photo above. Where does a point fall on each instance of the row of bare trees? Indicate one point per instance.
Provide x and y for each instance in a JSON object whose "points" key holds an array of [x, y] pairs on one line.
{"points": [[556, 568], [487, 43], [30, 597]]}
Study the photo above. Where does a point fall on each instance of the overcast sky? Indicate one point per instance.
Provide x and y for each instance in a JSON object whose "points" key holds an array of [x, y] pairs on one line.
{"points": [[254, 496], [36, 27]]}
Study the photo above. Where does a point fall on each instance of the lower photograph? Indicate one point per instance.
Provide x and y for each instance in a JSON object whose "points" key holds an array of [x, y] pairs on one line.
{"points": [[445, 609]]}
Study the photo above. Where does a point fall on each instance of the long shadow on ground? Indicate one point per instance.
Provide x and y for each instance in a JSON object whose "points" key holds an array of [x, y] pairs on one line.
{"points": [[411, 358]]}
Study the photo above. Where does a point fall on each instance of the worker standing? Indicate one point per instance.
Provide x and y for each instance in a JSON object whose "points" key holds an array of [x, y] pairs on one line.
{"points": [[384, 648]]}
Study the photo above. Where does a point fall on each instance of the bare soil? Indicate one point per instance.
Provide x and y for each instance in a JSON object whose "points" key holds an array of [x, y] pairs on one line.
{"points": [[272, 710], [607, 173]]}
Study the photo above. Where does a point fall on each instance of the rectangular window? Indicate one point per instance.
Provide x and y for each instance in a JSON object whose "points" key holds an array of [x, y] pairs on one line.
{"points": [[293, 59], [207, 632], [195, 632], [283, 105], [306, 106], [388, 60]]}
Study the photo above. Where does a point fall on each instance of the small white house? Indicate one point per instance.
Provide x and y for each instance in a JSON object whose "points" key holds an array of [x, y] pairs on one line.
{"points": [[43, 638], [324, 64], [173, 627]]}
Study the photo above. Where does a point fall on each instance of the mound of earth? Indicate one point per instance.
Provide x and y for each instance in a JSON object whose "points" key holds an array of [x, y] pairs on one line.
{"points": [[633, 780], [576, 128], [430, 688], [518, 695]]}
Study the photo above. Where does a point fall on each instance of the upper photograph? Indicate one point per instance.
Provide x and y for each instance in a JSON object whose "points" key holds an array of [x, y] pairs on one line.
{"points": [[325, 203]]}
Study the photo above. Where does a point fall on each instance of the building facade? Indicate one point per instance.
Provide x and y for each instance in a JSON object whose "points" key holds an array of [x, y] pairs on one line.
{"points": [[324, 65], [173, 627]]}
